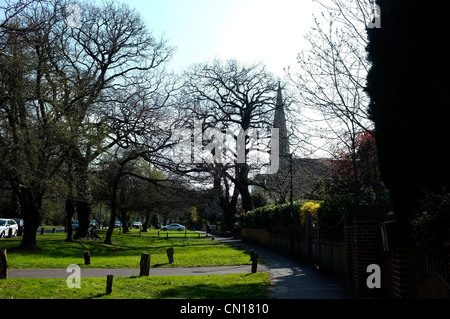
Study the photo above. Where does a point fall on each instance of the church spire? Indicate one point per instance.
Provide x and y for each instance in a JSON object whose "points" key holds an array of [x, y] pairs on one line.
{"points": [[280, 123]]}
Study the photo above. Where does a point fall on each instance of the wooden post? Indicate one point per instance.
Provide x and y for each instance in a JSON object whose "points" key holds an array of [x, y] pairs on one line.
{"points": [[170, 253], [42, 231], [252, 252], [87, 257], [54, 230], [145, 264], [254, 263], [3, 264], [198, 235], [109, 284]]}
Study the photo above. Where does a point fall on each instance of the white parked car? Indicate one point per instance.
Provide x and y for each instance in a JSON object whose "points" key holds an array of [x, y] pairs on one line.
{"points": [[136, 224], [8, 227], [173, 227]]}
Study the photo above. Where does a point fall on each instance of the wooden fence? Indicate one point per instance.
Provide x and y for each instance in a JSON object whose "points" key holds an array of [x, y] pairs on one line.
{"points": [[326, 255], [429, 272]]}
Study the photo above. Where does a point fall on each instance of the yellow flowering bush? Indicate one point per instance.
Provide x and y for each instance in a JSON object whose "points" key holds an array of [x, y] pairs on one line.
{"points": [[311, 208]]}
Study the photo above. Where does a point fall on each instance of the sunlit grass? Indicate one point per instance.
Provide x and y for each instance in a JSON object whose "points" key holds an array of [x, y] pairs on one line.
{"points": [[125, 252], [242, 286]]}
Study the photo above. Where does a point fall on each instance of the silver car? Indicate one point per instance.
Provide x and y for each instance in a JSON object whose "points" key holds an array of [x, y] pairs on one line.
{"points": [[8, 227], [173, 227]]}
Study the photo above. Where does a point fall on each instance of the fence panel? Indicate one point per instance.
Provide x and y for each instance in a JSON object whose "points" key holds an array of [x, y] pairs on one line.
{"points": [[429, 272]]}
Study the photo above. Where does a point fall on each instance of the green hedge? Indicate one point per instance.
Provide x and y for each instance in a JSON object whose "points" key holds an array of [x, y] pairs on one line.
{"points": [[275, 218], [329, 216]]}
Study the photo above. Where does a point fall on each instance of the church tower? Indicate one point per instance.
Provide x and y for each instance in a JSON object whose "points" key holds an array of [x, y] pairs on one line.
{"points": [[279, 122]]}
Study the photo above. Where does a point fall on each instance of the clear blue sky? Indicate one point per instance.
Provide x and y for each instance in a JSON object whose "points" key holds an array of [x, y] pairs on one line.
{"points": [[248, 30]]}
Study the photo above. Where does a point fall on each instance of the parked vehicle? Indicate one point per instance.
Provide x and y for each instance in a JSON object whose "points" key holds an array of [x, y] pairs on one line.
{"points": [[118, 224], [173, 226], [75, 224], [136, 224], [8, 227], [20, 225]]}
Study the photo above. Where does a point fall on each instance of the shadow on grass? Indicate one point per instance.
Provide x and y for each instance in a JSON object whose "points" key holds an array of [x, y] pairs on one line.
{"points": [[208, 291], [97, 296], [160, 265]]}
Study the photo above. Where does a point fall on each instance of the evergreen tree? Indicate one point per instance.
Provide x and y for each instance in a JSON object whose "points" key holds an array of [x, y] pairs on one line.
{"points": [[408, 86]]}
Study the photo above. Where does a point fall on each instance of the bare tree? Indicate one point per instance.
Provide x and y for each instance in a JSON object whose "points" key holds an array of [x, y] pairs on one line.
{"points": [[67, 79], [32, 140], [332, 76], [117, 59], [228, 98]]}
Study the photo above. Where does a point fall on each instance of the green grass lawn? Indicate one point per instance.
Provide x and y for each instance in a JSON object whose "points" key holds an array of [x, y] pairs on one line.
{"points": [[125, 252], [242, 286]]}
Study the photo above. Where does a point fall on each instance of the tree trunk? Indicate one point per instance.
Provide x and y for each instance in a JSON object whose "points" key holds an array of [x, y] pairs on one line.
{"points": [[30, 205], [242, 185], [146, 222], [229, 213], [123, 219], [247, 202], [84, 211], [70, 211], [112, 221]]}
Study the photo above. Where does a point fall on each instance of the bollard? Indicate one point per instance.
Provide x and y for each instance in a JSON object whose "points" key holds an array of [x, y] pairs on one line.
{"points": [[42, 231], [254, 263], [145, 264], [170, 253], [87, 257], [3, 264], [54, 231], [109, 284]]}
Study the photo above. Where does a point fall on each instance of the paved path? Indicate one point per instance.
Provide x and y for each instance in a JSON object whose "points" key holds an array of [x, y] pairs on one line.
{"points": [[291, 279]]}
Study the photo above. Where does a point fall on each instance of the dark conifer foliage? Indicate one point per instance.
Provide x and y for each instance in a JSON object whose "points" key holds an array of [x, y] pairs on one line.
{"points": [[408, 86]]}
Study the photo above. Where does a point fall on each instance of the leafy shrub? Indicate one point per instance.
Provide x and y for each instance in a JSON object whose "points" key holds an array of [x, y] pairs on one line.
{"points": [[310, 207], [331, 215], [278, 218], [430, 225]]}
